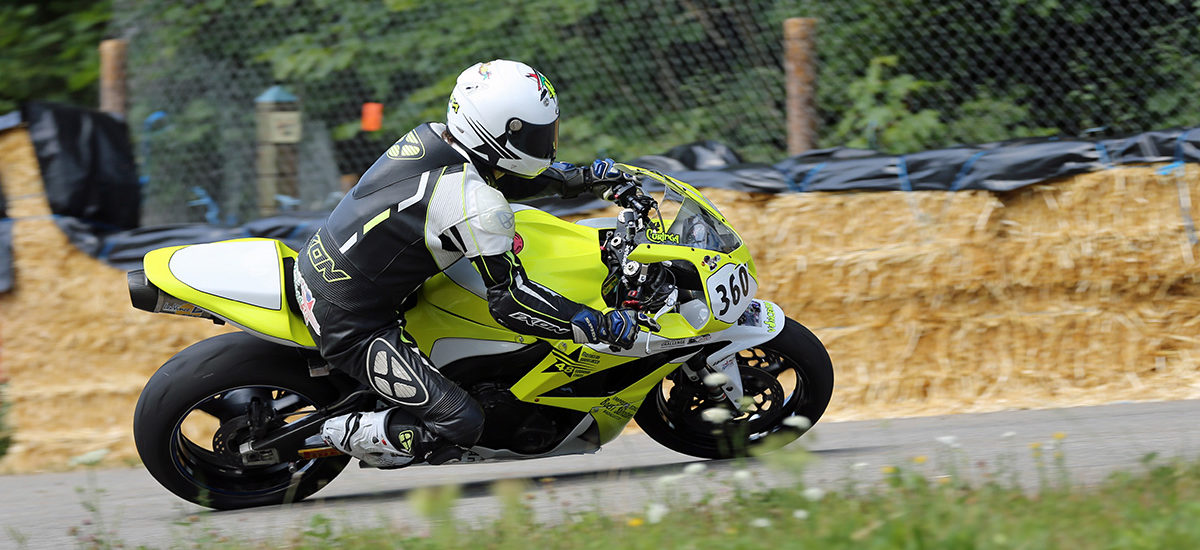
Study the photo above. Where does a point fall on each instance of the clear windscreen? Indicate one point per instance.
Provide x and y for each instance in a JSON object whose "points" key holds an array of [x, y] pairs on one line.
{"points": [[694, 225]]}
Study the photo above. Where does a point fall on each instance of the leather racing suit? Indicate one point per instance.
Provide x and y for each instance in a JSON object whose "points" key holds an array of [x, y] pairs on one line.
{"points": [[421, 207]]}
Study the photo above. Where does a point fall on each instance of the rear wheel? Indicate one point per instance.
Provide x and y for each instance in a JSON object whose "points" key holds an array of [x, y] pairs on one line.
{"points": [[204, 402], [789, 376]]}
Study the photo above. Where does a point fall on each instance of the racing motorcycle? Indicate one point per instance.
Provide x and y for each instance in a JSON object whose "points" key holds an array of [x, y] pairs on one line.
{"points": [[233, 421]]}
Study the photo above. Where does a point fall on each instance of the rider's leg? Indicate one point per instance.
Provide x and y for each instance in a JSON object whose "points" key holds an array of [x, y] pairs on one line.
{"points": [[442, 418]]}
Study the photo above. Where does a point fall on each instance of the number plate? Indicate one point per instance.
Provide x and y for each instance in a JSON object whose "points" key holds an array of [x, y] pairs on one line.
{"points": [[731, 289]]}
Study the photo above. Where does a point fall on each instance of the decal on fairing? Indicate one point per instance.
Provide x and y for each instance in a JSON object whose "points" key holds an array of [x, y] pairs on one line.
{"points": [[576, 364], [616, 408], [731, 289]]}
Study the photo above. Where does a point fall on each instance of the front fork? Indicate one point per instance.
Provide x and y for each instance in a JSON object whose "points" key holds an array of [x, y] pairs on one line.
{"points": [[721, 378]]}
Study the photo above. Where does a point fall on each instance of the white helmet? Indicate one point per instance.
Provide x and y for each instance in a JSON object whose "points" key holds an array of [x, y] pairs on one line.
{"points": [[506, 112]]}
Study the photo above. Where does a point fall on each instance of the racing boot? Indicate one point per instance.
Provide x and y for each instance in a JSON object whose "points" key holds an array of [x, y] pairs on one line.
{"points": [[385, 439]]}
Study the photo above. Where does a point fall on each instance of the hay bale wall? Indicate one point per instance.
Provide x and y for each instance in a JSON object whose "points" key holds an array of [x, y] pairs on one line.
{"points": [[1076, 292], [75, 351]]}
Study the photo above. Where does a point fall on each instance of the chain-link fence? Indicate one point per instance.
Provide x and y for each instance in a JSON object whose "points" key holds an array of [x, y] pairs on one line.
{"points": [[634, 77]]}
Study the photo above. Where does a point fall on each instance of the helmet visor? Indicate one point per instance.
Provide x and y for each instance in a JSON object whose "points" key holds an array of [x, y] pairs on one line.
{"points": [[539, 140]]}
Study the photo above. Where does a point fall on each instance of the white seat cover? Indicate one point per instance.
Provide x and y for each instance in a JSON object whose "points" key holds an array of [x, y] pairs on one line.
{"points": [[243, 271]]}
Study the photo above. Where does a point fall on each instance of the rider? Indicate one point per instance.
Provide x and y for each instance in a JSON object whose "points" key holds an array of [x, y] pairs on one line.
{"points": [[439, 194]]}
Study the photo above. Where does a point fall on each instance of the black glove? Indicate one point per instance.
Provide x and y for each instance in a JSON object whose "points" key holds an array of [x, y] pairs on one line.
{"points": [[618, 327]]}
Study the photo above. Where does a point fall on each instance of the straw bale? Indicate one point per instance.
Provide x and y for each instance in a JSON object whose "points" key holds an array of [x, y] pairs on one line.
{"points": [[75, 352], [1080, 291]]}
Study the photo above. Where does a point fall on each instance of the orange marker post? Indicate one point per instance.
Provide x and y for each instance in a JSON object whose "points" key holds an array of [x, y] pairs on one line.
{"points": [[372, 117]]}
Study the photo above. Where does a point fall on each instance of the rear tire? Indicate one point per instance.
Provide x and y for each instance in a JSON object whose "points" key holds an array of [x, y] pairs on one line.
{"points": [[678, 426], [218, 376]]}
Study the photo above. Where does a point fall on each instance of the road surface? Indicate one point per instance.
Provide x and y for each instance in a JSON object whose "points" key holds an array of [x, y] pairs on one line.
{"points": [[57, 510]]}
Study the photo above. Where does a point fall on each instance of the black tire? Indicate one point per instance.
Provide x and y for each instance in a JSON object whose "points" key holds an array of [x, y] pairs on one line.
{"points": [[678, 426], [208, 376]]}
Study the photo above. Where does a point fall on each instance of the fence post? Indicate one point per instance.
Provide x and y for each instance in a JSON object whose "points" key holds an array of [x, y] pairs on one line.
{"points": [[112, 76], [277, 120], [800, 71]]}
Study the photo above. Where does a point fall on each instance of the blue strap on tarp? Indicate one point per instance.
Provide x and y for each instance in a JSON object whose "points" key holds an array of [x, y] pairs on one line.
{"points": [[902, 167], [966, 169], [808, 177]]}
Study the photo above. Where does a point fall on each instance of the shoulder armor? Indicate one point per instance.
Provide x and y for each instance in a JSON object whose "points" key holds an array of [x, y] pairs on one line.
{"points": [[420, 150]]}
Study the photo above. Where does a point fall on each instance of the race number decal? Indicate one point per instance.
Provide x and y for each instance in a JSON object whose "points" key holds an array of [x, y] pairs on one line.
{"points": [[731, 289]]}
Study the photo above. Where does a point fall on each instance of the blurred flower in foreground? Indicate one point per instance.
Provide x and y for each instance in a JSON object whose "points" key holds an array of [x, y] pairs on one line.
{"points": [[716, 379], [814, 493], [1009, 434], [798, 422], [949, 441], [694, 468], [800, 514], [760, 522], [636, 522], [716, 415], [655, 512], [1060, 436], [919, 459]]}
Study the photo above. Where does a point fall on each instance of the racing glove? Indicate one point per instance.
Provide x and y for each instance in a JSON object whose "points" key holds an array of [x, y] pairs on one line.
{"points": [[614, 185], [618, 327]]}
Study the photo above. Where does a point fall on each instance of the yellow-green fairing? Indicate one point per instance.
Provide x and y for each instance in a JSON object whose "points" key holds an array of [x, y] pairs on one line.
{"points": [[650, 253], [277, 323]]}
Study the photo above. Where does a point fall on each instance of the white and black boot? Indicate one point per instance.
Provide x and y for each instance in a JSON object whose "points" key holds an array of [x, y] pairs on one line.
{"points": [[365, 436]]}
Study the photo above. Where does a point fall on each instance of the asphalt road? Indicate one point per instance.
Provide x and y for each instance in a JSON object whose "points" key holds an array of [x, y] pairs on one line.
{"points": [[60, 510]]}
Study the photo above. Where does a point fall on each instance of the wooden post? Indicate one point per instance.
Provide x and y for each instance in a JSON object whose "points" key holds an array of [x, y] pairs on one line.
{"points": [[112, 76], [800, 70], [277, 118]]}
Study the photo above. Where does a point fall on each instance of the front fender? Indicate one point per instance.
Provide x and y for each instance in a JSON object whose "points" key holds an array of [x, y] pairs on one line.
{"points": [[762, 321]]}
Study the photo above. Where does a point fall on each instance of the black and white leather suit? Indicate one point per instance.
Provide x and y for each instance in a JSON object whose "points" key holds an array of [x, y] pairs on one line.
{"points": [[421, 207]]}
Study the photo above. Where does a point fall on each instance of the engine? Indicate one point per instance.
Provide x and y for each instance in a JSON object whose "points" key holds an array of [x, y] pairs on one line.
{"points": [[515, 425]]}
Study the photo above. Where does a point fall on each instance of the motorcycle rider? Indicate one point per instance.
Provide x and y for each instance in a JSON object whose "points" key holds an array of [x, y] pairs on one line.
{"points": [[437, 195]]}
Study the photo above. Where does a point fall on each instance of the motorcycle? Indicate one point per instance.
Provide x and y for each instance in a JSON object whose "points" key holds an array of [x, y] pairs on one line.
{"points": [[232, 421]]}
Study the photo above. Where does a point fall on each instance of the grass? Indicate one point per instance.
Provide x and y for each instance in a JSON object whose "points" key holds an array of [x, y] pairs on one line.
{"points": [[1158, 506]]}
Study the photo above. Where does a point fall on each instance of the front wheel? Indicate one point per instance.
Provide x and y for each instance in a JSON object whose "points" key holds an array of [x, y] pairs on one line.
{"points": [[196, 411], [787, 377]]}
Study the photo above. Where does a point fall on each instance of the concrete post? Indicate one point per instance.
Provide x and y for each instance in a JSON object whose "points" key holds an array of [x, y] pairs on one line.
{"points": [[277, 119]]}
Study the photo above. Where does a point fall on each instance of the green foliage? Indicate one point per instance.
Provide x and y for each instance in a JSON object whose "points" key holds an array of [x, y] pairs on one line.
{"points": [[50, 50]]}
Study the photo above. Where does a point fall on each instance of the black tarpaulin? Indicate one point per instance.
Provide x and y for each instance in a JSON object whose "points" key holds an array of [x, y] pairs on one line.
{"points": [[7, 276], [87, 164]]}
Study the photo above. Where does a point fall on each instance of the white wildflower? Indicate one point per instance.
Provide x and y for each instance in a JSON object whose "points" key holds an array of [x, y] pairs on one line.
{"points": [[655, 512], [669, 480], [90, 458], [694, 468], [800, 514], [716, 379], [742, 476], [859, 466], [949, 441], [814, 493], [798, 422], [760, 522], [716, 415]]}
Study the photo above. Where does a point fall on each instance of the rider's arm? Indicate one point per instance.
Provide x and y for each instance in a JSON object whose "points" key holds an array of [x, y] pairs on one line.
{"points": [[522, 305], [484, 234], [560, 179]]}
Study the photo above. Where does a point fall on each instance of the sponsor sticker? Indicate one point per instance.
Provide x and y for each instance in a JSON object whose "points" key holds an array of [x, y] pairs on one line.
{"points": [[307, 301], [617, 408]]}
